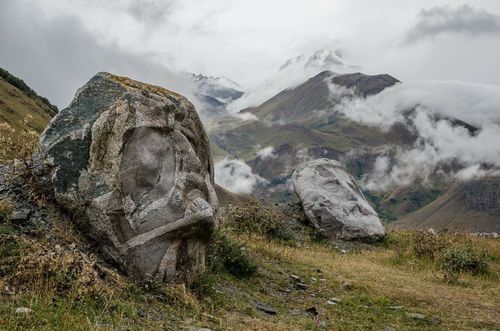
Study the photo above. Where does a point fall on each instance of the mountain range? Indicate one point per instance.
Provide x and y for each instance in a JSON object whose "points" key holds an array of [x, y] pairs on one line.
{"points": [[301, 123]]}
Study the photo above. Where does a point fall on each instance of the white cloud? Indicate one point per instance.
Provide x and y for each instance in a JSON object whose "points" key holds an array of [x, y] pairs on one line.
{"points": [[246, 116], [236, 176], [428, 109], [459, 20], [266, 152], [223, 38]]}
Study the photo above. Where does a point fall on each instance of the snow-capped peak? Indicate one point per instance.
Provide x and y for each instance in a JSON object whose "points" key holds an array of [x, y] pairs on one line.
{"points": [[221, 82], [320, 60]]}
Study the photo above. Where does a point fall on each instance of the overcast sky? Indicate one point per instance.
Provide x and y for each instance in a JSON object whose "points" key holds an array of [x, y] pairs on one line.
{"points": [[57, 45]]}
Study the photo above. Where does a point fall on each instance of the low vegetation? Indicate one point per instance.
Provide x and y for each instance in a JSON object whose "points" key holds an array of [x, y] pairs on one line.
{"points": [[256, 281], [6, 207], [266, 270]]}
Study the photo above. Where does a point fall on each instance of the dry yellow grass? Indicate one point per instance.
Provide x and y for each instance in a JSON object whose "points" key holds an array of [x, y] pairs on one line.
{"points": [[379, 280]]}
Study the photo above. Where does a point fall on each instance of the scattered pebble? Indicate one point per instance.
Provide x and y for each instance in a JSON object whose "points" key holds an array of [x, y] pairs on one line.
{"points": [[396, 307], [295, 278], [20, 215], [313, 279], [265, 308], [23, 310], [416, 316], [301, 286], [8, 290], [334, 301]]}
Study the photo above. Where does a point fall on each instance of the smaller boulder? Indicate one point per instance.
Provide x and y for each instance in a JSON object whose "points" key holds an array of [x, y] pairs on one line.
{"points": [[334, 203]]}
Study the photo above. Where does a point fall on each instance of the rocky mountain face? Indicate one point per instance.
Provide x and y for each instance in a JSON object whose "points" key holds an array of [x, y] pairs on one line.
{"points": [[310, 99], [133, 161], [483, 196], [302, 123], [214, 93], [469, 206]]}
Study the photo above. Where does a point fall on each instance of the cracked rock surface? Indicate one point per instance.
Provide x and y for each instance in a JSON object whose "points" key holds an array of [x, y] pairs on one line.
{"points": [[334, 203], [131, 163]]}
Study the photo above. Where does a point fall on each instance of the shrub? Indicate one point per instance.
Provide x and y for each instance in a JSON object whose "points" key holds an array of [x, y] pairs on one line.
{"points": [[230, 256], [428, 245], [35, 266], [18, 145], [462, 258], [6, 207], [453, 254], [259, 219]]}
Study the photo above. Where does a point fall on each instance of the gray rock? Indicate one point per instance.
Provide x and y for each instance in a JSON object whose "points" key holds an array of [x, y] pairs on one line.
{"points": [[416, 316], [333, 202], [20, 215], [396, 307], [24, 310], [301, 286], [266, 309], [131, 162], [334, 301]]}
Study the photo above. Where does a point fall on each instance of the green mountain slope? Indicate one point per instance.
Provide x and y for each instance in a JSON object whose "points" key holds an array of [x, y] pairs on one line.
{"points": [[302, 123], [471, 206], [18, 101]]}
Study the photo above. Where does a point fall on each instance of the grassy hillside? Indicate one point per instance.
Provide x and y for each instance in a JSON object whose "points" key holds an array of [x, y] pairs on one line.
{"points": [[15, 106], [21, 85], [303, 283], [462, 207]]}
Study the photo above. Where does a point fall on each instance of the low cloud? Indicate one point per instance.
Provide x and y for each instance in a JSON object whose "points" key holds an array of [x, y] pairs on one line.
{"points": [[453, 20], [266, 152], [246, 116], [56, 56], [236, 176], [430, 110], [151, 12], [293, 73]]}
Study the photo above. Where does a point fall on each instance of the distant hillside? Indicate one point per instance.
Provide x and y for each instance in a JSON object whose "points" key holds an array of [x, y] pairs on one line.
{"points": [[17, 100], [21, 85], [471, 206], [302, 123], [307, 99]]}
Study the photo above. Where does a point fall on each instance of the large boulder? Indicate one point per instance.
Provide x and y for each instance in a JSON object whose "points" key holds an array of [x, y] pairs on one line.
{"points": [[333, 202], [131, 163]]}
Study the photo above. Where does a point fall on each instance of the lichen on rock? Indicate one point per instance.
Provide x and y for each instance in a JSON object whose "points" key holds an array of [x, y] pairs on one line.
{"points": [[131, 162]]}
